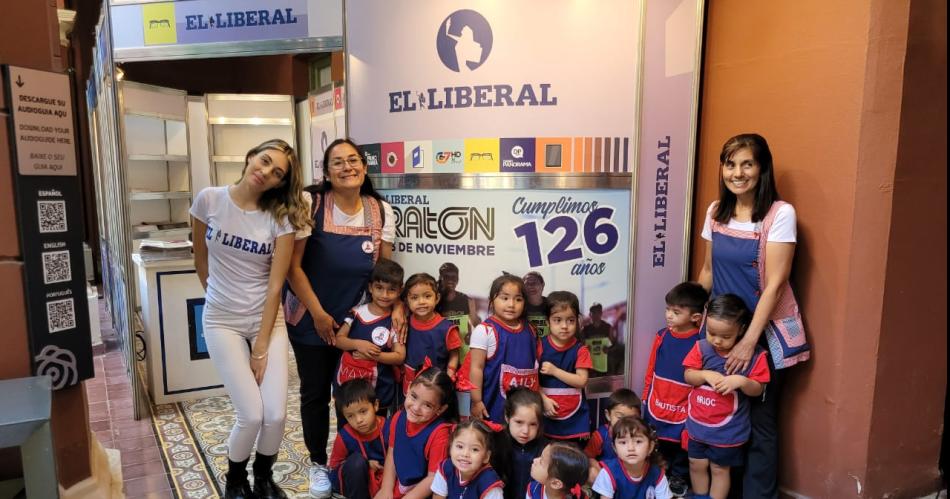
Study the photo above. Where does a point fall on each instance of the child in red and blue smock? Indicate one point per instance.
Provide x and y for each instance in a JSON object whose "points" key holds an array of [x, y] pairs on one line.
{"points": [[432, 340], [359, 451], [419, 436], [665, 391], [565, 363], [504, 351], [637, 471], [718, 415]]}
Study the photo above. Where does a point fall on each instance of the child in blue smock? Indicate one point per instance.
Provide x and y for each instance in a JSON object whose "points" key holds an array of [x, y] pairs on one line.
{"points": [[419, 436], [637, 471], [359, 451], [665, 390], [718, 417], [468, 473], [503, 351], [565, 363]]}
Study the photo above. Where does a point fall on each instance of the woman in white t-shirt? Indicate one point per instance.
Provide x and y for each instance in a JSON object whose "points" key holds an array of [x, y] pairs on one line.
{"points": [[243, 240], [746, 224]]}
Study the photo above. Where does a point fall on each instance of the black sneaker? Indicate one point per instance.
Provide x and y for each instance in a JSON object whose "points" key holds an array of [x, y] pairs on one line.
{"points": [[678, 486]]}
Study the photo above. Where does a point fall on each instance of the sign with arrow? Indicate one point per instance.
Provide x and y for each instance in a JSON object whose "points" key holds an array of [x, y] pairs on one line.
{"points": [[42, 110], [49, 222]]}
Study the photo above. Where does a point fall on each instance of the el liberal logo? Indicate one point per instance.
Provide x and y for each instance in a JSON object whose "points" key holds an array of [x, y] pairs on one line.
{"points": [[463, 41], [240, 19]]}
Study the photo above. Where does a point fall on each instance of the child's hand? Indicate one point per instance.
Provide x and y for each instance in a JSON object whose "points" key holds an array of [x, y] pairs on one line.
{"points": [[384, 494], [550, 406], [374, 465], [548, 368], [367, 349], [729, 384], [479, 410], [712, 378]]}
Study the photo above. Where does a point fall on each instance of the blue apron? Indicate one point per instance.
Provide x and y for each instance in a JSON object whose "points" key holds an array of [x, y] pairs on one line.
{"points": [[573, 414], [626, 487], [475, 488], [338, 262], [737, 265]]}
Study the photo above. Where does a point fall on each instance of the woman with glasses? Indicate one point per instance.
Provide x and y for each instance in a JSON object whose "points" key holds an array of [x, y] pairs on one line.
{"points": [[329, 271]]}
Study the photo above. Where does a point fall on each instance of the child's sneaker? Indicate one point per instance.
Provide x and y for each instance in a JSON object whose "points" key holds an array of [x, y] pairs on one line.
{"points": [[678, 486]]}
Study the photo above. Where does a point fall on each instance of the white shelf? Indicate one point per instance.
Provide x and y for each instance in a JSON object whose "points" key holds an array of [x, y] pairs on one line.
{"points": [[252, 121], [157, 157], [239, 121], [228, 159], [152, 196], [168, 233], [153, 114]]}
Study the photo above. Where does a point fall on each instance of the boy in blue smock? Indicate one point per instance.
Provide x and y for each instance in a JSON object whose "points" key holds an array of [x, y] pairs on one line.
{"points": [[665, 390], [359, 451]]}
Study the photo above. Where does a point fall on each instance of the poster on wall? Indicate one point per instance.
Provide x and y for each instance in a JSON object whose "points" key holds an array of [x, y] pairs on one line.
{"points": [[221, 26], [322, 130], [515, 87], [49, 223], [567, 240], [505, 91]]}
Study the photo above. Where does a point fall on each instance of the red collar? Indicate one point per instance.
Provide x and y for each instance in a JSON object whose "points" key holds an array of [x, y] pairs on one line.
{"points": [[565, 347], [687, 334], [373, 435], [413, 429], [429, 324], [506, 327]]}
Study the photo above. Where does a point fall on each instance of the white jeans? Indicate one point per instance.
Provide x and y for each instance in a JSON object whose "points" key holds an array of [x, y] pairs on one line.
{"points": [[260, 411]]}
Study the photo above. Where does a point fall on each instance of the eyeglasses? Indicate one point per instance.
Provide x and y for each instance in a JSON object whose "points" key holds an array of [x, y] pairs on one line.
{"points": [[353, 161]]}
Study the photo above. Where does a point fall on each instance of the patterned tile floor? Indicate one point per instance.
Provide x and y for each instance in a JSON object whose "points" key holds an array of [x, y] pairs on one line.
{"points": [[181, 450]]}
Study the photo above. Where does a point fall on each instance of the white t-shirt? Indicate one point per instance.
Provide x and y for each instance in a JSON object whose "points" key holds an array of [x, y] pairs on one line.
{"points": [[382, 337], [441, 487], [482, 339], [240, 248], [783, 228], [604, 486], [355, 220]]}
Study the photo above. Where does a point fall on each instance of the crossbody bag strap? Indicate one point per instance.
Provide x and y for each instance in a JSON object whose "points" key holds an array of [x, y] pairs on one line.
{"points": [[762, 228]]}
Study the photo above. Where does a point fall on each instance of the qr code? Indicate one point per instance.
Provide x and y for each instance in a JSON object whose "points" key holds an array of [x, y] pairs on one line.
{"points": [[56, 267], [60, 315], [52, 216]]}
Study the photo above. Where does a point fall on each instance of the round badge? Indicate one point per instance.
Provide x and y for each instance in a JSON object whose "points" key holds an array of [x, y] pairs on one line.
{"points": [[367, 246], [380, 336]]}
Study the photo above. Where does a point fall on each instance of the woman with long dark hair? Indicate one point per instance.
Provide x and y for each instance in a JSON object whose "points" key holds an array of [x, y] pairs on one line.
{"points": [[751, 236], [352, 228]]}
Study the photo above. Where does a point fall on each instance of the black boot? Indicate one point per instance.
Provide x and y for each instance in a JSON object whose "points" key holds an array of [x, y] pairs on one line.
{"points": [[236, 485], [264, 486]]}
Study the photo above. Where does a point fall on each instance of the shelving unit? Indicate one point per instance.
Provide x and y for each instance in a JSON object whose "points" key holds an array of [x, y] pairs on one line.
{"points": [[155, 127], [238, 122]]}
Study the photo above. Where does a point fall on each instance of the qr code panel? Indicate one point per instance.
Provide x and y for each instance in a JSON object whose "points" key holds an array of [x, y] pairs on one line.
{"points": [[52, 216], [60, 315], [56, 267]]}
